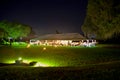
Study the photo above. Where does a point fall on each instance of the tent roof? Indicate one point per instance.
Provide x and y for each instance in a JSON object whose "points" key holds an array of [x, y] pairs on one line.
{"points": [[65, 36]]}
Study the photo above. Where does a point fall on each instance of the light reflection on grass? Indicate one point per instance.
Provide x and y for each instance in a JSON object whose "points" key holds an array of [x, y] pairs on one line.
{"points": [[39, 63], [58, 56]]}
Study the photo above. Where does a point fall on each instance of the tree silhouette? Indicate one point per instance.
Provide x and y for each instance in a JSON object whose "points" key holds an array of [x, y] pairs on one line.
{"points": [[15, 30], [102, 18]]}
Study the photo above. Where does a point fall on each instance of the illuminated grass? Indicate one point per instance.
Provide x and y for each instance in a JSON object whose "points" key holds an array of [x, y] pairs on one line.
{"points": [[59, 56], [98, 63]]}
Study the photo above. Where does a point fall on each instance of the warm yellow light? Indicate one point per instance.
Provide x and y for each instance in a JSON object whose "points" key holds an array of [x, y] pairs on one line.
{"points": [[19, 58], [28, 45], [26, 61], [40, 65], [44, 48], [55, 45]]}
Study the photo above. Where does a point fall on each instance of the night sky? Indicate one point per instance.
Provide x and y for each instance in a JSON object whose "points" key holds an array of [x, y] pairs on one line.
{"points": [[46, 16]]}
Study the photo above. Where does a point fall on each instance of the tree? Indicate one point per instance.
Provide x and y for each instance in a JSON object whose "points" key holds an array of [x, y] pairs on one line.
{"points": [[15, 30], [102, 18], [2, 33]]}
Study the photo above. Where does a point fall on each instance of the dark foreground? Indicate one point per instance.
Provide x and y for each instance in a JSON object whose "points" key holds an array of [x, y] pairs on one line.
{"points": [[107, 71]]}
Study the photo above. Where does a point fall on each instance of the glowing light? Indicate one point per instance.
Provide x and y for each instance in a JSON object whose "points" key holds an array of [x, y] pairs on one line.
{"points": [[28, 45], [88, 43], [44, 48], [64, 42], [19, 58], [55, 46], [40, 65], [26, 61]]}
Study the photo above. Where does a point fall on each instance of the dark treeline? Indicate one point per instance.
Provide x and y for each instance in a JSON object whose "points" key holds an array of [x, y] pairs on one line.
{"points": [[102, 20]]}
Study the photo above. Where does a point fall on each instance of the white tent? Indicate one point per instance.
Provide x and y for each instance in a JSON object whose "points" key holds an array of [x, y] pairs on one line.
{"points": [[64, 36]]}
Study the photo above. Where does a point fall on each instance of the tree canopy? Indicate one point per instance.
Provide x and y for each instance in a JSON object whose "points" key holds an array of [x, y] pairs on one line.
{"points": [[2, 33], [102, 18], [14, 30]]}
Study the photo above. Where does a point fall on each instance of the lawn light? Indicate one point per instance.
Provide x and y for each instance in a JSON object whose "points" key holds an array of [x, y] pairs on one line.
{"points": [[19, 61], [44, 48], [28, 45], [55, 46], [38, 64], [25, 61], [19, 58]]}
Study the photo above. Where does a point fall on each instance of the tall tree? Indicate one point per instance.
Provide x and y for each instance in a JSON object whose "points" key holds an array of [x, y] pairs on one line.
{"points": [[2, 33], [15, 30], [102, 18]]}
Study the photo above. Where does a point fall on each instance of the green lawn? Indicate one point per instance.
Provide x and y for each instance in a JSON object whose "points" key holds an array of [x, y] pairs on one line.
{"points": [[60, 56], [97, 72], [62, 63]]}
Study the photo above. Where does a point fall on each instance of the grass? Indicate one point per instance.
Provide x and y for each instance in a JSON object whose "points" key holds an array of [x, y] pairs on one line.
{"points": [[97, 72], [60, 56], [62, 63]]}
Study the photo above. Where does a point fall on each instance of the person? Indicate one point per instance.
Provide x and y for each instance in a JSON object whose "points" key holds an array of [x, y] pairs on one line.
{"points": [[11, 40]]}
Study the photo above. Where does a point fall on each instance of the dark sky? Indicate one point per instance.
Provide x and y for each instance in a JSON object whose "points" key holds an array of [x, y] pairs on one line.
{"points": [[46, 16]]}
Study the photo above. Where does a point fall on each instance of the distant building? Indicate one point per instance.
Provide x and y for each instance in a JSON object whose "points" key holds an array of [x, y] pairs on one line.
{"points": [[65, 39]]}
